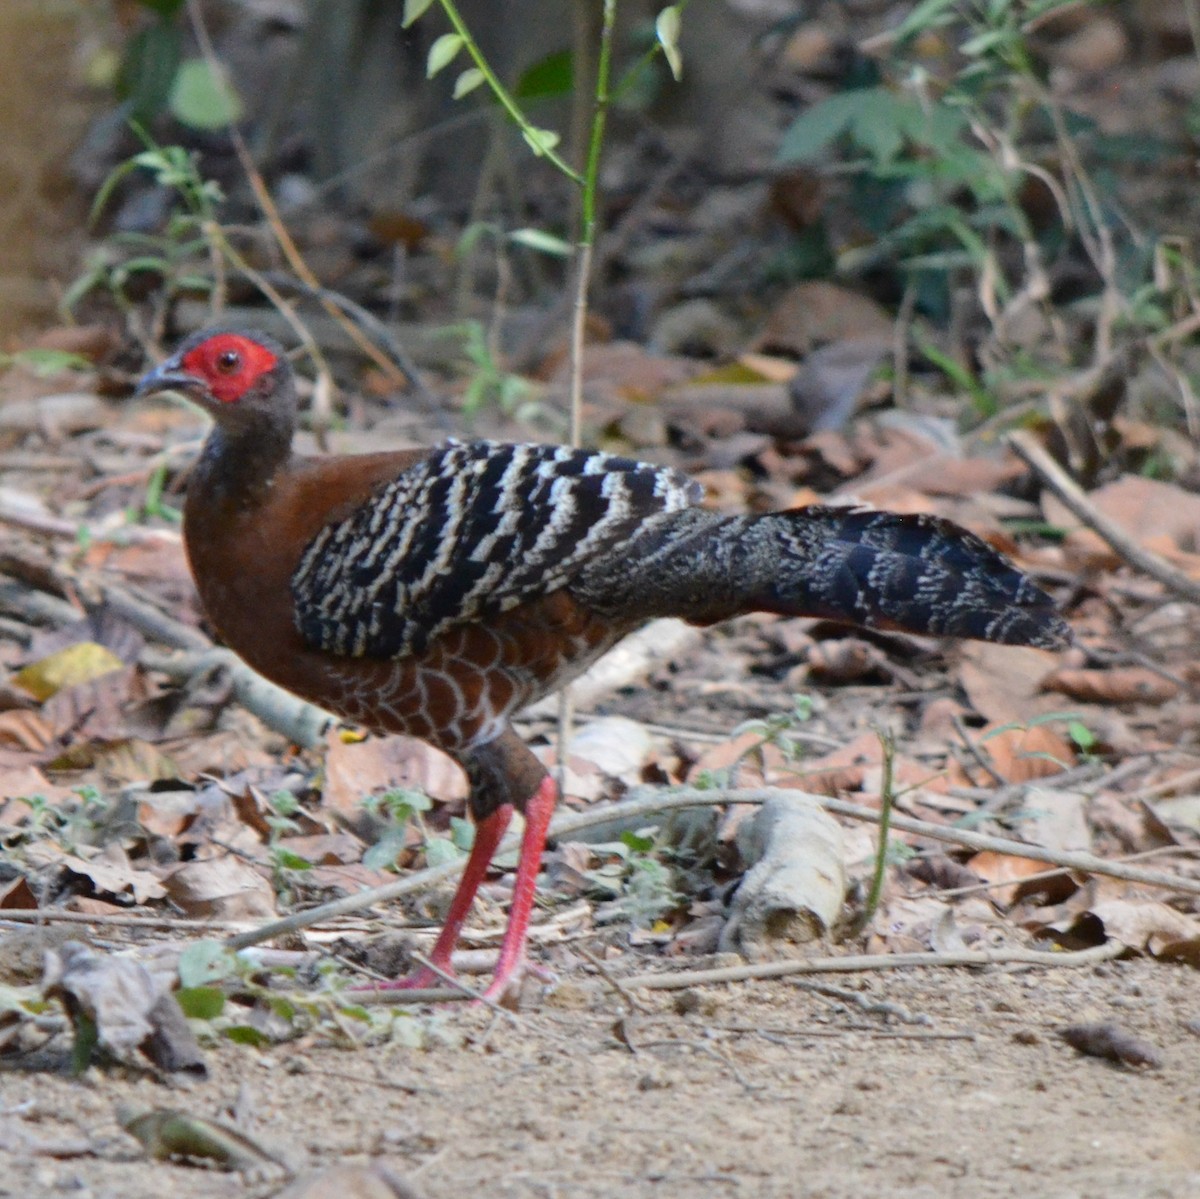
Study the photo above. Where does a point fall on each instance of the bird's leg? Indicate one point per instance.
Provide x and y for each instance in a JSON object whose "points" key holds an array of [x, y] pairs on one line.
{"points": [[489, 832], [511, 964]]}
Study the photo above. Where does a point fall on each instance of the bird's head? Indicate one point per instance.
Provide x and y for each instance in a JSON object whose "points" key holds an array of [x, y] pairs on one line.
{"points": [[241, 379]]}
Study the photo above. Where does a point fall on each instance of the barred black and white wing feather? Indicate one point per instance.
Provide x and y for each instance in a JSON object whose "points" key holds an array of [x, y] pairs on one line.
{"points": [[469, 532]]}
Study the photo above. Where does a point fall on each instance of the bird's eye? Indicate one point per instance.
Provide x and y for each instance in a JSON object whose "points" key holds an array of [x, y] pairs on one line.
{"points": [[229, 362]]}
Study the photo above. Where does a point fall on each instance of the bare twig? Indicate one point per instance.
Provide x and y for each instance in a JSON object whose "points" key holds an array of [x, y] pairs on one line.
{"points": [[151, 621], [302, 723], [872, 961], [1067, 490], [12, 512], [366, 320], [467, 990], [36, 607], [611, 980], [117, 920]]}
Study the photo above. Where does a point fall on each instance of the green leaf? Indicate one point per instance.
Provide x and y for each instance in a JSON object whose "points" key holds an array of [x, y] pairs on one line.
{"points": [[816, 127], [45, 362], [468, 81], [442, 53], [87, 1037], [201, 1003], [637, 843], [666, 26], [1083, 737], [540, 140], [246, 1034], [401, 802], [440, 850], [546, 243], [553, 75], [285, 859], [462, 833], [203, 98], [383, 853], [976, 46], [929, 15], [285, 1009], [206, 962], [414, 10], [148, 71], [880, 124]]}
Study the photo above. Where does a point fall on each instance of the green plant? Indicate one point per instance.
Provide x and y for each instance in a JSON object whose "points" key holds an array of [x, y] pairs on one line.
{"points": [[543, 142], [490, 383], [226, 993], [636, 877], [398, 809], [779, 730], [939, 151], [168, 259], [921, 141], [69, 824], [153, 504]]}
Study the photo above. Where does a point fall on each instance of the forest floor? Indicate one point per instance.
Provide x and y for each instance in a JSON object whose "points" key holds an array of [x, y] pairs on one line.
{"points": [[153, 798], [948, 1083]]}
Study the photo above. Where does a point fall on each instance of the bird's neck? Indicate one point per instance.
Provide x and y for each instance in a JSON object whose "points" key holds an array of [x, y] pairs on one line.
{"points": [[237, 468]]}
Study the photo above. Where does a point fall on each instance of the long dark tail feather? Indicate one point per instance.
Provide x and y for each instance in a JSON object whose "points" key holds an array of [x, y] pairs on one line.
{"points": [[882, 570]]}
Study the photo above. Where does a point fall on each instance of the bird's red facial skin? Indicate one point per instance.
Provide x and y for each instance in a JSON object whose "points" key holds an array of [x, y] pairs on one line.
{"points": [[229, 364]]}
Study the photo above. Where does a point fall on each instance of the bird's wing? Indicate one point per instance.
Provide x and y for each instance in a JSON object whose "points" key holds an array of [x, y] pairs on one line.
{"points": [[469, 532]]}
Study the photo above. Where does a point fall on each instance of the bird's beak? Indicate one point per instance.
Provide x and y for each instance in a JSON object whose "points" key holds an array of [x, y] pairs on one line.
{"points": [[169, 375]]}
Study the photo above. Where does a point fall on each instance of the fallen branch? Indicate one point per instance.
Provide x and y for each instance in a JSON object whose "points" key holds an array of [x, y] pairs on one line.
{"points": [[300, 722], [1031, 452], [680, 980]]}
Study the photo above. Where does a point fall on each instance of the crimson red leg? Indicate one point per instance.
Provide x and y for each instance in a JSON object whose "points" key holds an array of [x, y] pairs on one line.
{"points": [[488, 834], [538, 811]]}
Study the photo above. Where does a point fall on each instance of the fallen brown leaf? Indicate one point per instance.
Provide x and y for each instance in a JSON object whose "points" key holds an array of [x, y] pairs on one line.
{"points": [[356, 770], [1126, 685], [221, 888], [110, 873], [1004, 682], [1003, 868], [126, 1008]]}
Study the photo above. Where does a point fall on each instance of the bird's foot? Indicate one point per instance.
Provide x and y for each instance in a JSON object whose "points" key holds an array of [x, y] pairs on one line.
{"points": [[437, 974], [505, 987]]}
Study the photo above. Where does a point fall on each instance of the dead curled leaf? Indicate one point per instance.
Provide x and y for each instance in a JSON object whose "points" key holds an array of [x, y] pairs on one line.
{"points": [[1005, 870], [941, 872], [1018, 754], [110, 873], [83, 662], [131, 1010], [1147, 924], [221, 888], [25, 730], [1131, 685], [846, 660]]}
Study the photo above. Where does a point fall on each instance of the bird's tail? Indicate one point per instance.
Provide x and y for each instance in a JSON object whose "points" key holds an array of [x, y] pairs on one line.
{"points": [[882, 570]]}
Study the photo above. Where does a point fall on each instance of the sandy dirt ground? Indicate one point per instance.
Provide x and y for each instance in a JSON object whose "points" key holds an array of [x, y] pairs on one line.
{"points": [[942, 1083]]}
